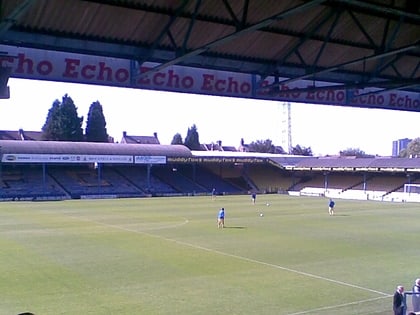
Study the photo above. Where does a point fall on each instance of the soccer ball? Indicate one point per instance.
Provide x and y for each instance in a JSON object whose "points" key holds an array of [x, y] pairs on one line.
{"points": [[261, 214], [267, 204]]}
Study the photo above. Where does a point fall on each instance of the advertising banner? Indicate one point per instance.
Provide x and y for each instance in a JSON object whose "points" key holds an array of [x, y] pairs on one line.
{"points": [[66, 158], [144, 159], [36, 64]]}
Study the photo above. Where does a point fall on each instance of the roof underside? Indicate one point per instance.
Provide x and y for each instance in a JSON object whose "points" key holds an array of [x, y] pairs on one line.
{"points": [[372, 43]]}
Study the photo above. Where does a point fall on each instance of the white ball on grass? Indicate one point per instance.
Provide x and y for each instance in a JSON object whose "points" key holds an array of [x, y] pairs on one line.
{"points": [[261, 214]]}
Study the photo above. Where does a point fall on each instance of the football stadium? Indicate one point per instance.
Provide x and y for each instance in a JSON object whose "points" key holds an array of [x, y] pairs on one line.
{"points": [[133, 228]]}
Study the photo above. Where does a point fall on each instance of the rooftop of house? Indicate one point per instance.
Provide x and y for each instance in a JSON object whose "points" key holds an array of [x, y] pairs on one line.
{"points": [[139, 139], [20, 135]]}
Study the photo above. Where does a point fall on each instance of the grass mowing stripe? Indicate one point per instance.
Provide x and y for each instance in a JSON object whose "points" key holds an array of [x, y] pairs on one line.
{"points": [[234, 256]]}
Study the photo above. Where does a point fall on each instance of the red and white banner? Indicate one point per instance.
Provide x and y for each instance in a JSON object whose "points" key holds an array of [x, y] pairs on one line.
{"points": [[86, 69]]}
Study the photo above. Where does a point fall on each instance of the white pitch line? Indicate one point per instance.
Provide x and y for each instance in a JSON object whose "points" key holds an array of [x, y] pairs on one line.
{"points": [[275, 266], [238, 257], [339, 305]]}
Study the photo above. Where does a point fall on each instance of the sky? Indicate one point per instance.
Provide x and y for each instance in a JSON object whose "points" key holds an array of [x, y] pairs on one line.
{"points": [[326, 129]]}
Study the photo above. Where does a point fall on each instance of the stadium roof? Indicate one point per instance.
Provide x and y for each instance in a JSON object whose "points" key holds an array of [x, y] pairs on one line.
{"points": [[90, 148], [358, 44], [182, 154], [359, 164]]}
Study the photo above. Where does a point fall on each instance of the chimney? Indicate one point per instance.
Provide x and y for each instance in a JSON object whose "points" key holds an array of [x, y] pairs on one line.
{"points": [[124, 134]]}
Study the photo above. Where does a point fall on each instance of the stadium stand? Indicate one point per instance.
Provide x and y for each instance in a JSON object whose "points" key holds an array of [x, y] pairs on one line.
{"points": [[208, 180], [28, 183], [178, 180], [38, 170], [82, 182], [151, 185], [231, 173], [270, 179]]}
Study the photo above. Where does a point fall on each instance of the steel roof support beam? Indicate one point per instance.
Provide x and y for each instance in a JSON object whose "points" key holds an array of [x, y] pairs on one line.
{"points": [[415, 70], [190, 26], [164, 31], [386, 44], [245, 13], [15, 15], [379, 10], [242, 22], [396, 70], [246, 30], [353, 62], [383, 66], [327, 39], [362, 29], [300, 42], [232, 14]]}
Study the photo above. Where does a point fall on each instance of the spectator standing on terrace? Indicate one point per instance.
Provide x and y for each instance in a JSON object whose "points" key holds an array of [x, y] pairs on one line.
{"points": [[398, 301], [331, 206], [416, 296], [221, 218]]}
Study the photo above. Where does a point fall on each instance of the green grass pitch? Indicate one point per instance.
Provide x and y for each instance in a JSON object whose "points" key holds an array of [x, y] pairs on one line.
{"points": [[167, 256]]}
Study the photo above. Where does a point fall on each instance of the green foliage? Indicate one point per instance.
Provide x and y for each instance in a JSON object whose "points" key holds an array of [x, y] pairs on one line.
{"points": [[166, 256], [96, 124], [51, 129], [62, 123], [263, 146], [192, 139], [300, 150], [412, 150], [355, 152], [177, 139]]}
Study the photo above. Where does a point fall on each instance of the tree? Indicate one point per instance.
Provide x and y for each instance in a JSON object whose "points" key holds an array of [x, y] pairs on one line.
{"points": [[412, 150], [177, 139], [298, 150], [279, 150], [51, 128], [192, 139], [263, 146], [62, 123], [413, 147], [355, 152], [96, 124]]}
